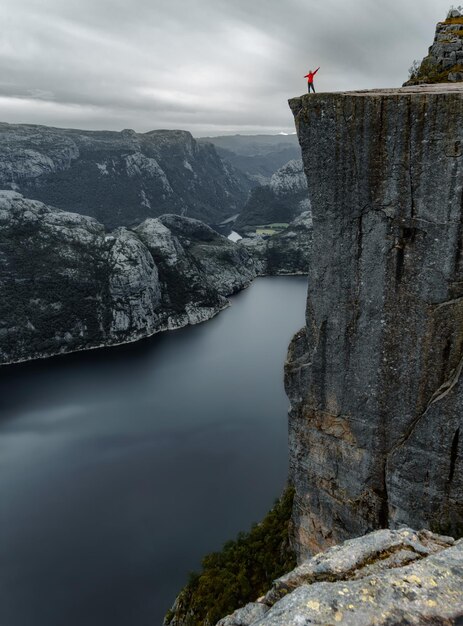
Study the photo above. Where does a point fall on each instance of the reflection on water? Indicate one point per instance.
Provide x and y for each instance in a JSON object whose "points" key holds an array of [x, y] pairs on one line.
{"points": [[121, 468]]}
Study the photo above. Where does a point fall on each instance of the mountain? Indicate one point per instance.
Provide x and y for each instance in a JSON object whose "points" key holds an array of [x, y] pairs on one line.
{"points": [[286, 252], [68, 285], [258, 156], [444, 61], [280, 201], [120, 178]]}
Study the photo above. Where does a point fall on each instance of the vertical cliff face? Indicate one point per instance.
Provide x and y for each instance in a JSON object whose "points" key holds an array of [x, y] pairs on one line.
{"points": [[376, 419]]}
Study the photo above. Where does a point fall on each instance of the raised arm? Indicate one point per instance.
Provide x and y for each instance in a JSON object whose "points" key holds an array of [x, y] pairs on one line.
{"points": [[316, 71]]}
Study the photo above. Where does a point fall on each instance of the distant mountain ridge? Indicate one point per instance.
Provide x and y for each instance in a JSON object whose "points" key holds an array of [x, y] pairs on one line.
{"points": [[258, 156], [120, 178], [281, 200]]}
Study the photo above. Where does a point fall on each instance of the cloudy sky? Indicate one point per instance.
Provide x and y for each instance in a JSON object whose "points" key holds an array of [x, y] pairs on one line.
{"points": [[208, 66]]}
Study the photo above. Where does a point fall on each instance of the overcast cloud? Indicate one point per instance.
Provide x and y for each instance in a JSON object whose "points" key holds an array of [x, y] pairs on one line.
{"points": [[208, 66]]}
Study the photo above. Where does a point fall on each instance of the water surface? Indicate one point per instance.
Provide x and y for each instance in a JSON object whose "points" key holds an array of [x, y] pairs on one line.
{"points": [[121, 468]]}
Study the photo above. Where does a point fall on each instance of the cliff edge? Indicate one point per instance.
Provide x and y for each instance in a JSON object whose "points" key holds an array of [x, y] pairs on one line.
{"points": [[373, 378]]}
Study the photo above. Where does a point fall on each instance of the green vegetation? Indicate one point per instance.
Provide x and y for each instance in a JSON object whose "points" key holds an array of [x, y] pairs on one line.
{"points": [[241, 572], [453, 20], [429, 73], [271, 229]]}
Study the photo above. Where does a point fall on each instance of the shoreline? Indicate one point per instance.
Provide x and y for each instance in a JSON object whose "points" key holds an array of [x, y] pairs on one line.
{"points": [[164, 328]]}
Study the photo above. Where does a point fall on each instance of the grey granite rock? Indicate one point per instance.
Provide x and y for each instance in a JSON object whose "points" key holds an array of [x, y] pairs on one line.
{"points": [[392, 578], [120, 178], [374, 377], [249, 614], [444, 61], [66, 284]]}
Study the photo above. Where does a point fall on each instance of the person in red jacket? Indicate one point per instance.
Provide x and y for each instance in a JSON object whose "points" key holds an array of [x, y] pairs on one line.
{"points": [[309, 77]]}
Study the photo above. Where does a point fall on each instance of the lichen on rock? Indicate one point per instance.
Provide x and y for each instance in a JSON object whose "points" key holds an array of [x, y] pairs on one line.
{"points": [[387, 578]]}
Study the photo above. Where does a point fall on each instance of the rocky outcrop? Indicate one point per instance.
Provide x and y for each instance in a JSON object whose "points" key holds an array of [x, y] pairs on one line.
{"points": [[373, 379], [67, 284], [388, 578], [444, 61], [280, 201], [120, 178], [284, 253]]}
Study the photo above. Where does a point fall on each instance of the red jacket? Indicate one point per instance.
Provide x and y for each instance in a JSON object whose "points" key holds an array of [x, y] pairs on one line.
{"points": [[310, 75]]}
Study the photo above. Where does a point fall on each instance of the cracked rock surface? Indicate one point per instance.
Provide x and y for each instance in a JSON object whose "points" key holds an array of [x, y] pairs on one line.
{"points": [[376, 417], [389, 577]]}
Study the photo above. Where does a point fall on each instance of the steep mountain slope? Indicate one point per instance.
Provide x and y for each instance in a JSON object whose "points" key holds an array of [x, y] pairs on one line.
{"points": [[259, 156], [68, 285], [280, 201], [287, 252], [120, 178]]}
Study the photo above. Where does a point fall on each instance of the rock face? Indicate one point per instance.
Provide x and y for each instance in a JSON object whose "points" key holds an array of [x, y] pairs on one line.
{"points": [[444, 62], [68, 285], [284, 253], [388, 578], [280, 201], [376, 417], [120, 178]]}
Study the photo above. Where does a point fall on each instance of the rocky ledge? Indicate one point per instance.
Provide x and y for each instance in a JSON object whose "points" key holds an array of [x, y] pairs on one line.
{"points": [[373, 378], [389, 578]]}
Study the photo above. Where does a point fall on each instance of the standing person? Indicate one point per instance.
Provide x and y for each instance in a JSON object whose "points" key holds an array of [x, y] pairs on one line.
{"points": [[309, 77]]}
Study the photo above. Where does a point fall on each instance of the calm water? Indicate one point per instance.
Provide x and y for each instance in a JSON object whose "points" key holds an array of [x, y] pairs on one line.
{"points": [[121, 468]]}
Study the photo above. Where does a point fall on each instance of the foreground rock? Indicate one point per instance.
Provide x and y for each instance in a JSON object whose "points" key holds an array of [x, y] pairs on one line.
{"points": [[444, 61], [373, 379], [68, 285], [120, 178], [386, 578], [284, 253]]}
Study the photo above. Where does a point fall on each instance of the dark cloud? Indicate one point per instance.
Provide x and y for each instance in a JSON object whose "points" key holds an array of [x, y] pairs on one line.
{"points": [[208, 66]]}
